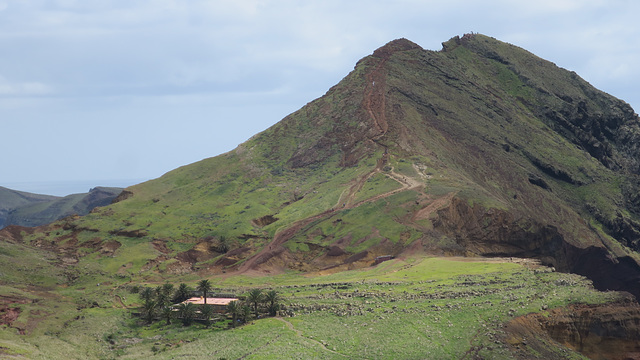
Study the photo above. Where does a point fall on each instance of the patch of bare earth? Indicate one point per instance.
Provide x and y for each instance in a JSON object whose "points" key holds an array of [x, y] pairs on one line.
{"points": [[161, 246], [434, 206], [9, 312]]}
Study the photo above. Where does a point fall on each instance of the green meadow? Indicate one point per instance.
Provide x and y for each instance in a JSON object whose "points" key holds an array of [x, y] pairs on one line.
{"points": [[432, 308]]}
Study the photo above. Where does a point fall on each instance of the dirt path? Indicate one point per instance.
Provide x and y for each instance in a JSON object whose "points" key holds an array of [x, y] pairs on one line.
{"points": [[374, 98], [344, 202], [119, 301], [474, 351], [434, 206], [374, 104], [299, 334], [275, 246]]}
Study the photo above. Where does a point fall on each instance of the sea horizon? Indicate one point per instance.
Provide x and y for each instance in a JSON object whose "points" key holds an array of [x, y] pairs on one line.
{"points": [[64, 188]]}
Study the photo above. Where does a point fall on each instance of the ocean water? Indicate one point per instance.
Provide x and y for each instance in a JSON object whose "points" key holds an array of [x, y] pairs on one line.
{"points": [[63, 188]]}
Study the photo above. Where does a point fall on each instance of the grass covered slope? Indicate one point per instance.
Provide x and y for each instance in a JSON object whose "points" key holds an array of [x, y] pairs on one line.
{"points": [[419, 308]]}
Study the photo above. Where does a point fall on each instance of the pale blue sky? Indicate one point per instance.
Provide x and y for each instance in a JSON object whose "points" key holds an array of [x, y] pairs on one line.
{"points": [[116, 92]]}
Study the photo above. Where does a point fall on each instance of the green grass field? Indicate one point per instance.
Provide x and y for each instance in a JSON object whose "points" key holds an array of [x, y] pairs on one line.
{"points": [[421, 308]]}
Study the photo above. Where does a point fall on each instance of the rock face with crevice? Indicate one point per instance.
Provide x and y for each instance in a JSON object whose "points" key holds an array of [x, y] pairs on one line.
{"points": [[610, 331]]}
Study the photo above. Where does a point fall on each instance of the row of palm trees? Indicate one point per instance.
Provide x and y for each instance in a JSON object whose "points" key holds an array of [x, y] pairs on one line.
{"points": [[260, 302], [159, 302]]}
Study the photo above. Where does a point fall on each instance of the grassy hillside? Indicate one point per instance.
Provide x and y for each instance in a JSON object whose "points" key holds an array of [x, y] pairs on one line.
{"points": [[437, 308]]}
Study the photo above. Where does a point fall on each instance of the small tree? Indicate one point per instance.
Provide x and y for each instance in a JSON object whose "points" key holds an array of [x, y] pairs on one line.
{"points": [[233, 308], [255, 298], [146, 294], [206, 312], [245, 313], [149, 311], [182, 293], [204, 286], [187, 313], [168, 314], [272, 299], [167, 290]]}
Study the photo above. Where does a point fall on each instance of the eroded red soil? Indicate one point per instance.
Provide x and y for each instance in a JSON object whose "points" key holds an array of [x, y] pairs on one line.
{"points": [[610, 331]]}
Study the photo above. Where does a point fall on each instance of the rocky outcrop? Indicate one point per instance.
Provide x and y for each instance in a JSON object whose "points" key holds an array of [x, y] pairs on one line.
{"points": [[124, 195], [610, 331], [494, 232], [264, 220]]}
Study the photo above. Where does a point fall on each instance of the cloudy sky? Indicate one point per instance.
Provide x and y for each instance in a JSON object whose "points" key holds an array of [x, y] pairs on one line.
{"points": [[118, 92]]}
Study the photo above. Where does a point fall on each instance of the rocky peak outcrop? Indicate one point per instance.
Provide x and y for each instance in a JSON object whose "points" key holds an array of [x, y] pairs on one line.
{"points": [[394, 46]]}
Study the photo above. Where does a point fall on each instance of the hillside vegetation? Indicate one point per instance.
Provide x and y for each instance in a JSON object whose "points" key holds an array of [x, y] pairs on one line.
{"points": [[413, 309], [481, 149]]}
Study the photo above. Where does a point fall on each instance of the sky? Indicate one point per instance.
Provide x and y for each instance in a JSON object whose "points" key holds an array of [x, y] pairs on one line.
{"points": [[116, 92]]}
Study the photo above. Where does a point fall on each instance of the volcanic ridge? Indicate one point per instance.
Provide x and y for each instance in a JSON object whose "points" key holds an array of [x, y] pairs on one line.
{"points": [[481, 149]]}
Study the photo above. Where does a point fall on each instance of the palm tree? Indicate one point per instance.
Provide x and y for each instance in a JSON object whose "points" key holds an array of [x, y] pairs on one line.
{"points": [[206, 312], [223, 245], [245, 313], [148, 305], [146, 294], [161, 298], [149, 311], [187, 312], [204, 286], [163, 294], [255, 297], [233, 308], [183, 293], [168, 314], [272, 298], [167, 290]]}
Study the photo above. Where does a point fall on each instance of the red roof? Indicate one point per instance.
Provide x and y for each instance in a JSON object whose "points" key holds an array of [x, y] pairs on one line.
{"points": [[199, 300]]}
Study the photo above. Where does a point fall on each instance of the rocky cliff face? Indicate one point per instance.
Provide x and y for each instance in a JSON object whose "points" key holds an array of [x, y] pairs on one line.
{"points": [[608, 331], [494, 232]]}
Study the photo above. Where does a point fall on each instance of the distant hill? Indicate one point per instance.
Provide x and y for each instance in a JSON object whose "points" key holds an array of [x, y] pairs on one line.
{"points": [[13, 199], [27, 209]]}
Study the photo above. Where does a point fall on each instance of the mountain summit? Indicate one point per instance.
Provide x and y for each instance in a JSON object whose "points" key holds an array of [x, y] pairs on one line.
{"points": [[480, 149]]}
